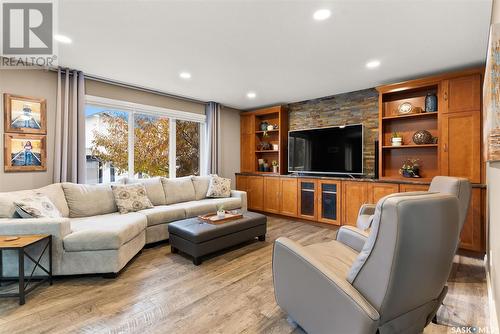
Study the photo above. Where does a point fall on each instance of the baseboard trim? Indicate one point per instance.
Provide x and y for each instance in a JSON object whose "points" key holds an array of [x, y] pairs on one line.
{"points": [[493, 319]]}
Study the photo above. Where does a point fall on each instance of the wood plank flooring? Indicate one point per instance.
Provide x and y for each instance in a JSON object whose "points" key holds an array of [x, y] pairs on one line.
{"points": [[231, 292]]}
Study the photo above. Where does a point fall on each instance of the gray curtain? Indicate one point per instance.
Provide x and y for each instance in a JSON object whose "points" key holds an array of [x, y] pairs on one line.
{"points": [[69, 155], [212, 111]]}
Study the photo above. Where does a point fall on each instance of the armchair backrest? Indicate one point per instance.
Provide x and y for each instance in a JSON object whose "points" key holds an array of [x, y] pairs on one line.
{"points": [[457, 186], [408, 255]]}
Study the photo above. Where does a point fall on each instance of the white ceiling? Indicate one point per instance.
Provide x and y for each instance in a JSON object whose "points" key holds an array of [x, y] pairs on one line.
{"points": [[274, 48]]}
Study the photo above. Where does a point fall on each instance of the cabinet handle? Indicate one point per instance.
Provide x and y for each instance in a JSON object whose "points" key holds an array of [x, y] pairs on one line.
{"points": [[445, 96], [446, 147]]}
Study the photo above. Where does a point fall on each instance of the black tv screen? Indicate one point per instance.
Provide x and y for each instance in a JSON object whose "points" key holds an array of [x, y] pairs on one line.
{"points": [[334, 150]]}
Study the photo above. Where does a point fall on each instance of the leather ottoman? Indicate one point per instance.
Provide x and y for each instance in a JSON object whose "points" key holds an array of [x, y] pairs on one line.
{"points": [[196, 238]]}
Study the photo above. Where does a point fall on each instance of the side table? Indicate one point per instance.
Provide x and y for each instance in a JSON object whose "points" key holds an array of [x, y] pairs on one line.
{"points": [[20, 245]]}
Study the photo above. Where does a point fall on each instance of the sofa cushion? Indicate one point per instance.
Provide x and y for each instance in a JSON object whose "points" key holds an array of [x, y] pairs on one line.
{"points": [[109, 231], [197, 208], [38, 206], [334, 255], [89, 200], [201, 184], [219, 187], [154, 189], [53, 191], [230, 203], [131, 197], [164, 214], [178, 190]]}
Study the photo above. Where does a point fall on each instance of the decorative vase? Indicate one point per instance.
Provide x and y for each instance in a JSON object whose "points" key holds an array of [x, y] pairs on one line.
{"points": [[422, 137], [275, 169], [431, 102], [263, 126], [396, 141], [221, 214]]}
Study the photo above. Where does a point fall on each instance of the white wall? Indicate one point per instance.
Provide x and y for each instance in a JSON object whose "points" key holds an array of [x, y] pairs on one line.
{"points": [[229, 144]]}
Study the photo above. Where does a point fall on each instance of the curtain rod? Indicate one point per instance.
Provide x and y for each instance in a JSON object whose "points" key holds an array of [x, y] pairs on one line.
{"points": [[127, 85]]}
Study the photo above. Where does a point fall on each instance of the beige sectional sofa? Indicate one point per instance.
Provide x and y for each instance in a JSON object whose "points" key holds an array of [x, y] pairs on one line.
{"points": [[92, 237]]}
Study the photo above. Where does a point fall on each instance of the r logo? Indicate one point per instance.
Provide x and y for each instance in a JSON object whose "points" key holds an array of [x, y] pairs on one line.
{"points": [[27, 28]]}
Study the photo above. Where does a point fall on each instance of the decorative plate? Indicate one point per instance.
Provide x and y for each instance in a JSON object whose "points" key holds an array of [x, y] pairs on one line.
{"points": [[405, 108]]}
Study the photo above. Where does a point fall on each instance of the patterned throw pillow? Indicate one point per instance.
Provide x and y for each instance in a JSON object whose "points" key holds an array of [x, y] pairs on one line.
{"points": [[37, 206], [131, 197], [219, 187]]}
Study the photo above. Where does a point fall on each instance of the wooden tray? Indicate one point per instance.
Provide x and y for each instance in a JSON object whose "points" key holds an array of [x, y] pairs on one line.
{"points": [[212, 218]]}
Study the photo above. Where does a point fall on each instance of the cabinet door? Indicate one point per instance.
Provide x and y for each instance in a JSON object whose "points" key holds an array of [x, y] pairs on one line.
{"points": [[308, 196], [247, 143], [241, 182], [329, 194], [413, 187], [255, 192], [288, 199], [272, 194], [460, 148], [462, 94], [379, 190], [355, 194], [472, 237]]}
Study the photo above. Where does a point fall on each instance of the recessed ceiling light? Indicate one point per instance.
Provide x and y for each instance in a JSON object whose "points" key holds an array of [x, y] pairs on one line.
{"points": [[322, 14], [63, 39], [185, 75], [373, 64], [251, 95]]}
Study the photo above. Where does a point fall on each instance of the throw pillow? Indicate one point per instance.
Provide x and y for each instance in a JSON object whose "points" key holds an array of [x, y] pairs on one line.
{"points": [[219, 187], [37, 206], [131, 197]]}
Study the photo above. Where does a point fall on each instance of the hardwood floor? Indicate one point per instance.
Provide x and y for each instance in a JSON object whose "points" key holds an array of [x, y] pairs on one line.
{"points": [[232, 292]]}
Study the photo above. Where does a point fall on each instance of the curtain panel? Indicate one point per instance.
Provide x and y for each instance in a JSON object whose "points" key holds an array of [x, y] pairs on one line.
{"points": [[69, 154], [212, 111]]}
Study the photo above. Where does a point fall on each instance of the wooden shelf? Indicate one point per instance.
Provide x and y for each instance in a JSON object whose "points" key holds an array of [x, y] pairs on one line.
{"points": [[424, 114], [273, 130], [410, 146], [267, 151]]}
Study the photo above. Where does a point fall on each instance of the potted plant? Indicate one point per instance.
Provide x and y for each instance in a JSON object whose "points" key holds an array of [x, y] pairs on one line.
{"points": [[275, 166], [221, 213], [410, 168], [396, 139]]}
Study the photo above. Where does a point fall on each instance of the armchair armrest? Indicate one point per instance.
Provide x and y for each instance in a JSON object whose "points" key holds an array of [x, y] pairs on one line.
{"points": [[315, 296], [367, 209], [57, 227], [352, 236], [243, 196]]}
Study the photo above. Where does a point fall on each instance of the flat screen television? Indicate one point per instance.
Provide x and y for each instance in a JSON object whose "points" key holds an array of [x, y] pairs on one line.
{"points": [[332, 150]]}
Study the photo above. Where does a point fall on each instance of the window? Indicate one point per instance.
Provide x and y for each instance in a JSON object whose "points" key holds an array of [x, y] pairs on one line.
{"points": [[125, 138]]}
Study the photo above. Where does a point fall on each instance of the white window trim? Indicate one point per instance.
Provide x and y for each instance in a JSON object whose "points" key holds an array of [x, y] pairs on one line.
{"points": [[173, 115]]}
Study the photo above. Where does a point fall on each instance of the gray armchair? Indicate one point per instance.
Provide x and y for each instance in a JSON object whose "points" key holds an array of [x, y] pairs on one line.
{"points": [[355, 237], [394, 285]]}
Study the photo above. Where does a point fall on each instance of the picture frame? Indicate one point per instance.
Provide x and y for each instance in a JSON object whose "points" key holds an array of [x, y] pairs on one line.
{"points": [[23, 114], [25, 152]]}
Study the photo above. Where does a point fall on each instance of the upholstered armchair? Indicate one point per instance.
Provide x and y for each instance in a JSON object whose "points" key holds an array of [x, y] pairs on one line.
{"points": [[394, 285], [355, 236]]}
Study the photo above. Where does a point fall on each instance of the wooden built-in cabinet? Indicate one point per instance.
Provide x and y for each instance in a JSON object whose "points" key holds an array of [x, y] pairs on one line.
{"points": [[462, 93], [337, 202]]}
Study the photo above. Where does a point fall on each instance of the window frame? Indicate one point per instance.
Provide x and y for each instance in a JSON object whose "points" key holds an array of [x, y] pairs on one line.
{"points": [[173, 115]]}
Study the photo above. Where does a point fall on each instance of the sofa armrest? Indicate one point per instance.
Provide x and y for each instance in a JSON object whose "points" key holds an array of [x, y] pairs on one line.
{"points": [[243, 196], [352, 236], [309, 291], [367, 209], [57, 227]]}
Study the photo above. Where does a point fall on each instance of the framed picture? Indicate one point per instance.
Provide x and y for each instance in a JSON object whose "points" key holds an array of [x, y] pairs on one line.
{"points": [[25, 114], [24, 152]]}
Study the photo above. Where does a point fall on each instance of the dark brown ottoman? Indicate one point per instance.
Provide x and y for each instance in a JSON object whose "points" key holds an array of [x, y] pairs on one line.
{"points": [[196, 238]]}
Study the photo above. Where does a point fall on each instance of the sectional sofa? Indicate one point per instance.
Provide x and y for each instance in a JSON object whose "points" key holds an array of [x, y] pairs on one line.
{"points": [[92, 236]]}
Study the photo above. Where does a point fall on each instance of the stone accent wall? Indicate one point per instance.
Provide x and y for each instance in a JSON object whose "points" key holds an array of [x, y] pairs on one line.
{"points": [[348, 108]]}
